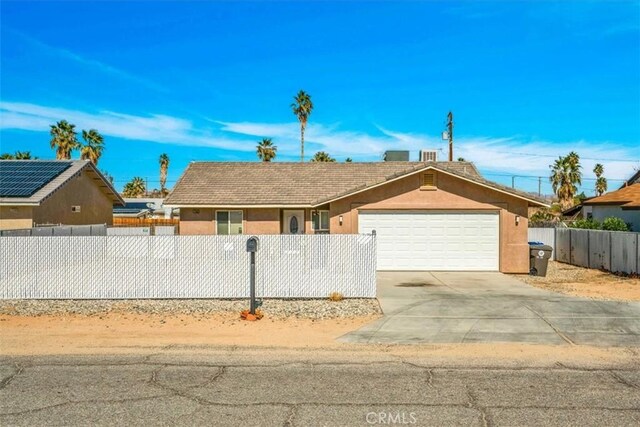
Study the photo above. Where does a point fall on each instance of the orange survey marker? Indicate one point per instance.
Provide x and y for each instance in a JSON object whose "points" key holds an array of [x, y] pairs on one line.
{"points": [[245, 315]]}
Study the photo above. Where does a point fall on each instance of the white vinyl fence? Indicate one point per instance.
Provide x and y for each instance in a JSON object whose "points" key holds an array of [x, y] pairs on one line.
{"points": [[157, 230], [609, 250], [544, 235], [59, 230], [127, 267]]}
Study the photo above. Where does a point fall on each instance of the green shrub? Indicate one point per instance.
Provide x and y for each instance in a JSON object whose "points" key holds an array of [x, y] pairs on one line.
{"points": [[586, 224], [541, 216], [614, 224]]}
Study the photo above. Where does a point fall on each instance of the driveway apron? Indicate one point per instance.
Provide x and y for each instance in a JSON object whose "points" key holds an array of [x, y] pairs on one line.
{"points": [[479, 307]]}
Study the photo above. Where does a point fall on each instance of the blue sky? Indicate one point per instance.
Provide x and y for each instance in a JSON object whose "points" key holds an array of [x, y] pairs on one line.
{"points": [[527, 81]]}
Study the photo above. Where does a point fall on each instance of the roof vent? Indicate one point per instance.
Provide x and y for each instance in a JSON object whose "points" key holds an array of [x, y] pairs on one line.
{"points": [[428, 155]]}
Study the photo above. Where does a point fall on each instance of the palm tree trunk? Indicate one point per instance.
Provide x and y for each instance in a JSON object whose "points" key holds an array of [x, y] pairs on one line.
{"points": [[163, 179], [302, 143]]}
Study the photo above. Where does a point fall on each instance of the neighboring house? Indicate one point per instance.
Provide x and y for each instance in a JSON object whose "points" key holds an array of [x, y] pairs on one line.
{"points": [[428, 216], [143, 208], [635, 179], [623, 203], [47, 192], [577, 211]]}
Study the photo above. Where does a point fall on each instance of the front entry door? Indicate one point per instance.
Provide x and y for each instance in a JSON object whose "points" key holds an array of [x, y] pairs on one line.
{"points": [[293, 222]]}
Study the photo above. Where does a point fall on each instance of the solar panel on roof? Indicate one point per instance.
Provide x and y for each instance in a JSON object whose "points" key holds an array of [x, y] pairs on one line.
{"points": [[22, 178]]}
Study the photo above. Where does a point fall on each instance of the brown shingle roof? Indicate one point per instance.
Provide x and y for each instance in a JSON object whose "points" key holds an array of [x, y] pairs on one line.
{"points": [[300, 184], [627, 197]]}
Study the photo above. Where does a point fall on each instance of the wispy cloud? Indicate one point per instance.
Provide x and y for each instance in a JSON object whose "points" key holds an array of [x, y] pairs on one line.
{"points": [[154, 127], [500, 154], [513, 155], [93, 64], [533, 157], [339, 143]]}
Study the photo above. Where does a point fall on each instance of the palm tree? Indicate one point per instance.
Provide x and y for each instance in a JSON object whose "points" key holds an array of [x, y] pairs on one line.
{"points": [[134, 188], [108, 176], [164, 168], [64, 139], [565, 176], [601, 181], [266, 150], [23, 155], [322, 156], [348, 160], [93, 147], [19, 155], [573, 159], [302, 108]]}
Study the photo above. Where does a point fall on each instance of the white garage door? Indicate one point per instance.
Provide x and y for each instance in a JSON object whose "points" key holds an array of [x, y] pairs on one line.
{"points": [[434, 240]]}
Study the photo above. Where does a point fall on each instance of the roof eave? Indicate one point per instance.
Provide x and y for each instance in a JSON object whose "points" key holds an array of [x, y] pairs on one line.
{"points": [[18, 203], [532, 202], [237, 206]]}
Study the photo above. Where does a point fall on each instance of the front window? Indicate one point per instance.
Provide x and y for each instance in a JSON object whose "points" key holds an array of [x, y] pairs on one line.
{"points": [[229, 222], [321, 221]]}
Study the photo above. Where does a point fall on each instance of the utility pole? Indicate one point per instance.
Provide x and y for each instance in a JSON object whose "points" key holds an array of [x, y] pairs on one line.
{"points": [[539, 186], [513, 181], [450, 134]]}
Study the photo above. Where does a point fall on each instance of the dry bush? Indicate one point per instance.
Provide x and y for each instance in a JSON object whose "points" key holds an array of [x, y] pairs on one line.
{"points": [[336, 296]]}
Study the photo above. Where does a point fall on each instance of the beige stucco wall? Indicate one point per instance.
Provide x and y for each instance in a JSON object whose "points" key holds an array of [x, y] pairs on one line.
{"points": [[196, 221], [451, 194], [254, 221], [95, 206], [262, 221], [15, 217]]}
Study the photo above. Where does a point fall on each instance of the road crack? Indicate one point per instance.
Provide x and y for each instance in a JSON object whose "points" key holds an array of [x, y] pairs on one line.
{"points": [[473, 404], [182, 393], [624, 381], [289, 422], [5, 382]]}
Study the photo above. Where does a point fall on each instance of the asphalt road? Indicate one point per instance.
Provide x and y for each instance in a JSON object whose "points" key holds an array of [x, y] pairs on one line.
{"points": [[268, 389]]}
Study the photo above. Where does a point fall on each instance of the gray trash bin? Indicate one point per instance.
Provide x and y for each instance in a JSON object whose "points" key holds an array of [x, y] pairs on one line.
{"points": [[539, 255]]}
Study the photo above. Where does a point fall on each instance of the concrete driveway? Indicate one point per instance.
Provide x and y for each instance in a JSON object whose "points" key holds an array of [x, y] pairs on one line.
{"points": [[473, 307]]}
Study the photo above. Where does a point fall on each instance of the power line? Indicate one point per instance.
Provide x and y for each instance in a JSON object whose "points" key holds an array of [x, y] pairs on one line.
{"points": [[581, 158], [543, 176]]}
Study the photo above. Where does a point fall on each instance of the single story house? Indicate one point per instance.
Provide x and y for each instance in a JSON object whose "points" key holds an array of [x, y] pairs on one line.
{"points": [[623, 203], [149, 207], [48, 192], [427, 215]]}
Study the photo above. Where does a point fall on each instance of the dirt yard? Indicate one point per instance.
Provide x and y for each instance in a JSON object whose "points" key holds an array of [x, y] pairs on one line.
{"points": [[152, 334], [80, 334], [585, 282]]}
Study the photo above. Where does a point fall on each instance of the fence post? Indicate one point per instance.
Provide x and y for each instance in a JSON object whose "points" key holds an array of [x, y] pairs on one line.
{"points": [[610, 250], [588, 248], [570, 249]]}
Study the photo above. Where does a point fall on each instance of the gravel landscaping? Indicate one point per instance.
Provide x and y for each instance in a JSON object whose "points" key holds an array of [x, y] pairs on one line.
{"points": [[273, 308]]}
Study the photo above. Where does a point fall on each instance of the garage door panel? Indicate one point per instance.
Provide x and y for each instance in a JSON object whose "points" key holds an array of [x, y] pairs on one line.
{"points": [[434, 241]]}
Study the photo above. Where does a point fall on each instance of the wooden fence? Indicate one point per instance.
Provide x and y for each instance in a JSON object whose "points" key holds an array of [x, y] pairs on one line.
{"points": [[615, 251], [144, 222]]}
